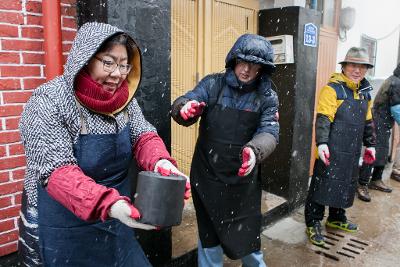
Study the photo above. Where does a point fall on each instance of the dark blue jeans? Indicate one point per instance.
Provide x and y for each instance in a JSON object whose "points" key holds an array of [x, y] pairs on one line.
{"points": [[314, 212], [366, 172]]}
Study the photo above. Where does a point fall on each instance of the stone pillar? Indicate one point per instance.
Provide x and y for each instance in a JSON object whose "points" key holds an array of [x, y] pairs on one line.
{"points": [[149, 22], [286, 171]]}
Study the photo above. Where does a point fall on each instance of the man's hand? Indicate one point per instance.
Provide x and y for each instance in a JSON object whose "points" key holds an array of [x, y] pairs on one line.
{"points": [[128, 215], [369, 155], [323, 153], [248, 161], [166, 168], [192, 109]]}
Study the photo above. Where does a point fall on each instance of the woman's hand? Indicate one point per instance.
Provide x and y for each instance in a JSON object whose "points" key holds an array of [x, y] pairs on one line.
{"points": [[128, 214]]}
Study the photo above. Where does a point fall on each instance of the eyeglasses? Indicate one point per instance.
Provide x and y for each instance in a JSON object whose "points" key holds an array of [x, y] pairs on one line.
{"points": [[252, 66], [110, 66]]}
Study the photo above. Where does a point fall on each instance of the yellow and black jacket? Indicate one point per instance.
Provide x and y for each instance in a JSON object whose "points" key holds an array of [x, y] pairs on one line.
{"points": [[331, 98]]}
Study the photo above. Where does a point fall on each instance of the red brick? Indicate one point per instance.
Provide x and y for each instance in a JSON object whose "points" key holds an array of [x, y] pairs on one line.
{"points": [[18, 198], [12, 123], [16, 97], [65, 57], [7, 225], [10, 84], [18, 174], [10, 212], [8, 30], [34, 20], [10, 5], [11, 163], [32, 32], [20, 71], [12, 18], [68, 2], [34, 7], [32, 58], [68, 11], [3, 151], [5, 202], [24, 45], [8, 237], [6, 111], [4, 177], [8, 249], [9, 137], [33, 83], [69, 22], [68, 35], [66, 47], [10, 188], [9, 57], [16, 149]]}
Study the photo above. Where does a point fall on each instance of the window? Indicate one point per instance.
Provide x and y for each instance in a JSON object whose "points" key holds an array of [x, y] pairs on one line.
{"points": [[329, 10], [371, 45]]}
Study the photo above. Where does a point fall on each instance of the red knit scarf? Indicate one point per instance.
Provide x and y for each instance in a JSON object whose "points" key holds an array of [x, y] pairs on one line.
{"points": [[92, 95]]}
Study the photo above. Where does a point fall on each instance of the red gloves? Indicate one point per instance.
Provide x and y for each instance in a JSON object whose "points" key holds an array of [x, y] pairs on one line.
{"points": [[192, 109], [323, 153], [248, 161], [165, 168], [369, 155]]}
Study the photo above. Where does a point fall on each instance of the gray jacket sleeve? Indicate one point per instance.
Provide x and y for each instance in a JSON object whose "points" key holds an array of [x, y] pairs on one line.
{"points": [[263, 144]]}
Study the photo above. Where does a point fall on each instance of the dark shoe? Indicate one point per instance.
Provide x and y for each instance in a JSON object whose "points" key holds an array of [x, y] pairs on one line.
{"points": [[379, 185], [345, 226], [315, 235], [363, 194], [395, 177]]}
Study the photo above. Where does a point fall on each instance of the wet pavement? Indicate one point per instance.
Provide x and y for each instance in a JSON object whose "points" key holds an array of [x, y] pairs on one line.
{"points": [[285, 243]]}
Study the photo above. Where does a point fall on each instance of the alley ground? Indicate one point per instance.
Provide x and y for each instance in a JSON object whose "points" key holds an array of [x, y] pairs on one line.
{"points": [[376, 244], [285, 243]]}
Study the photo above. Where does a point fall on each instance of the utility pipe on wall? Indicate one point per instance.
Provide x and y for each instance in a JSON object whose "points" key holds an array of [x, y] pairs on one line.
{"points": [[51, 20], [313, 4]]}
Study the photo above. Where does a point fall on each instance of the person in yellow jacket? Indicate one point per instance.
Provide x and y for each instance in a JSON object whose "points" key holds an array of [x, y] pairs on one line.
{"points": [[344, 123]]}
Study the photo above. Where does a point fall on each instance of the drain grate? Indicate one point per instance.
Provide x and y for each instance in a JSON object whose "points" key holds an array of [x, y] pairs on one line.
{"points": [[341, 246]]}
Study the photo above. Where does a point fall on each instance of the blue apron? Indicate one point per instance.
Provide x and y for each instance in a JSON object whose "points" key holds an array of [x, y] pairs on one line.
{"points": [[335, 185], [66, 240]]}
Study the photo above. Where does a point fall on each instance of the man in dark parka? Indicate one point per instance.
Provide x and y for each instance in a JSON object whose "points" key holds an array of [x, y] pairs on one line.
{"points": [[385, 111], [238, 129]]}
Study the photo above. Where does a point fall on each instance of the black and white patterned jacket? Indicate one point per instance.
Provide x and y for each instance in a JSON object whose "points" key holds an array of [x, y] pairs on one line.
{"points": [[51, 123]]}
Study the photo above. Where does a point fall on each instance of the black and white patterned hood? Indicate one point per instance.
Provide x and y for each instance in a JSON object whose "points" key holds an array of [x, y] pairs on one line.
{"points": [[89, 38]]}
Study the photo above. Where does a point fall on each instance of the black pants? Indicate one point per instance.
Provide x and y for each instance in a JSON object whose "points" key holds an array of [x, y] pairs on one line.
{"points": [[314, 212], [365, 174]]}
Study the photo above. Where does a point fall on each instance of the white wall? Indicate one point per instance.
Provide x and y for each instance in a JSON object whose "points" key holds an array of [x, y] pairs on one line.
{"points": [[266, 4], [376, 19]]}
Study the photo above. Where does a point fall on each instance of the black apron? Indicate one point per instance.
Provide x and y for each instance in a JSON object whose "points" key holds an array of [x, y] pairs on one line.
{"points": [[335, 185], [228, 207], [66, 240]]}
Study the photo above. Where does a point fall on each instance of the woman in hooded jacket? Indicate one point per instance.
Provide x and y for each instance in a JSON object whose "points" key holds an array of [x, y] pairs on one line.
{"points": [[80, 132], [238, 130]]}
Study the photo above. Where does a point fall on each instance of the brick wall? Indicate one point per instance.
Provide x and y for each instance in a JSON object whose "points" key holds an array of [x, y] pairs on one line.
{"points": [[21, 71]]}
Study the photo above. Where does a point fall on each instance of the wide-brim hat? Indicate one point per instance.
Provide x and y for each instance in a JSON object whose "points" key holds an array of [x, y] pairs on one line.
{"points": [[357, 55]]}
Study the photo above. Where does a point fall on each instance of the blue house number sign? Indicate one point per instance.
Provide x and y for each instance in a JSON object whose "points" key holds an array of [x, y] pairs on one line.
{"points": [[310, 35]]}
